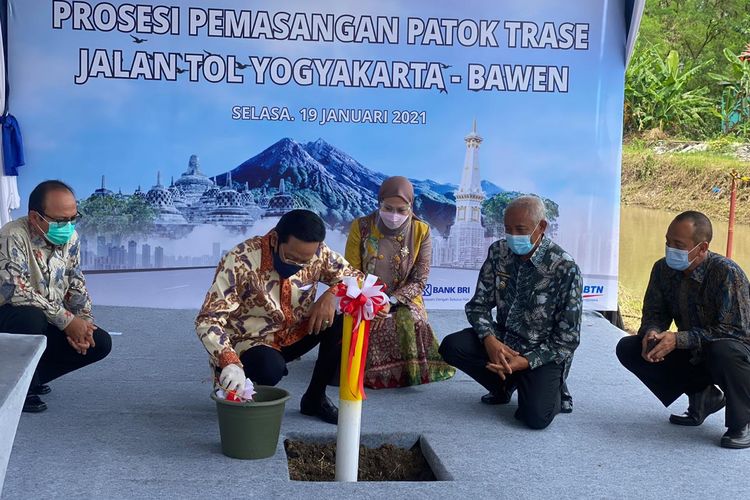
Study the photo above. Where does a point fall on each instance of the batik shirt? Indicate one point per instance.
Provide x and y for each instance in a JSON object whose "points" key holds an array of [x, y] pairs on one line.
{"points": [[249, 304], [34, 272], [712, 302], [538, 302]]}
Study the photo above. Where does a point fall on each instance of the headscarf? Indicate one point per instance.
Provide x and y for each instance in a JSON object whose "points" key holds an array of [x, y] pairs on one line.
{"points": [[397, 186]]}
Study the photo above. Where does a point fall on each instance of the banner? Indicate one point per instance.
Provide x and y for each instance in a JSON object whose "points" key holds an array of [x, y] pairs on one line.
{"points": [[185, 129]]}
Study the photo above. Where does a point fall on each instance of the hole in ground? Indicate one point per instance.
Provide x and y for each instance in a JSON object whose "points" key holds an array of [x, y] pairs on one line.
{"points": [[381, 458]]}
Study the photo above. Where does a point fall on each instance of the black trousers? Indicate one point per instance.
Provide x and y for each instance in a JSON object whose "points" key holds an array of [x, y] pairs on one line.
{"points": [[726, 363], [266, 366], [59, 357], [538, 390]]}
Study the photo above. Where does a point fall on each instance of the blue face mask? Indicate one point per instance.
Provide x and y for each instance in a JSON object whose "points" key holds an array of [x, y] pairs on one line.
{"points": [[521, 244], [678, 259], [284, 269]]}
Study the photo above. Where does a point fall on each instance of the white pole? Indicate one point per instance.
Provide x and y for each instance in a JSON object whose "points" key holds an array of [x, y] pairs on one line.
{"points": [[347, 440]]}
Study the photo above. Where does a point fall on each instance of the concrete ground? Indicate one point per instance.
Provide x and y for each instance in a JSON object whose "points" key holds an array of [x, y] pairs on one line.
{"points": [[140, 424]]}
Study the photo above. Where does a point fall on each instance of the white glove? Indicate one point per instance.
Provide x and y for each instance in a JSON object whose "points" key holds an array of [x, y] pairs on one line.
{"points": [[232, 378]]}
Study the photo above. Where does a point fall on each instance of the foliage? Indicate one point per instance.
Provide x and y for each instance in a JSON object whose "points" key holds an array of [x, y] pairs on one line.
{"points": [[658, 94], [115, 215], [700, 30], [704, 32], [735, 96]]}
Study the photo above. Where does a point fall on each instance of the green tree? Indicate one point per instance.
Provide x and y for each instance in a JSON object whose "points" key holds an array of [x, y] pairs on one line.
{"points": [[698, 29], [116, 215]]}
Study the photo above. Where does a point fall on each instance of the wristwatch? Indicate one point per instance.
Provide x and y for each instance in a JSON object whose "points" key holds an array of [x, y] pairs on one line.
{"points": [[393, 300]]}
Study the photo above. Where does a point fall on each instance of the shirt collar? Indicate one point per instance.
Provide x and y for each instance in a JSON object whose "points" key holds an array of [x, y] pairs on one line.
{"points": [[541, 251], [266, 253], [699, 273], [35, 238]]}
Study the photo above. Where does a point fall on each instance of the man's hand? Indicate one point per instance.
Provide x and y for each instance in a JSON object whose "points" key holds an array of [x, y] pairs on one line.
{"points": [[667, 343], [646, 343], [499, 355], [322, 313], [232, 378], [513, 365], [80, 335]]}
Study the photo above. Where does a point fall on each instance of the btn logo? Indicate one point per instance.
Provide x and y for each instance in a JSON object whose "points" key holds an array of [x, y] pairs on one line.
{"points": [[593, 291], [429, 290]]}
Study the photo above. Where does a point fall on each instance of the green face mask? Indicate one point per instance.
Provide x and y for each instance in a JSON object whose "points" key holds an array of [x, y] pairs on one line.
{"points": [[59, 233]]}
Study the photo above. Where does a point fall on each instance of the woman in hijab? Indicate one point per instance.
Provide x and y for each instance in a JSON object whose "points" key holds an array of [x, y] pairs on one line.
{"points": [[393, 244]]}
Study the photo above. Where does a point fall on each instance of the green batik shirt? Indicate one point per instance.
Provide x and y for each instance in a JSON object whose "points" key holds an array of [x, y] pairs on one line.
{"points": [[538, 302]]}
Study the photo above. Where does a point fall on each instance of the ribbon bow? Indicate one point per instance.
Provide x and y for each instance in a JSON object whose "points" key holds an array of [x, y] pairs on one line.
{"points": [[359, 304], [362, 303]]}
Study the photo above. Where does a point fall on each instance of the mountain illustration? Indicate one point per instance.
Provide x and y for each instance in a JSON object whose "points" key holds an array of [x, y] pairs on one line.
{"points": [[330, 182]]}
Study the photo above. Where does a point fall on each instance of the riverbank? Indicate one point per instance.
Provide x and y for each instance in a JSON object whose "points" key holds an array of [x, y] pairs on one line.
{"points": [[696, 178]]}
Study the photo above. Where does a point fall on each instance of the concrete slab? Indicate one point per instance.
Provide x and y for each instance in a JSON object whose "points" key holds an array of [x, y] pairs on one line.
{"points": [[19, 355], [140, 424]]}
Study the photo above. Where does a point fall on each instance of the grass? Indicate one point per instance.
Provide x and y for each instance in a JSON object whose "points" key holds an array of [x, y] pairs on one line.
{"points": [[630, 308], [683, 181]]}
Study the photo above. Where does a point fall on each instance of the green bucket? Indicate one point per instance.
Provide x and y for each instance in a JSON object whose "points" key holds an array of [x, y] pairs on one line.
{"points": [[250, 430]]}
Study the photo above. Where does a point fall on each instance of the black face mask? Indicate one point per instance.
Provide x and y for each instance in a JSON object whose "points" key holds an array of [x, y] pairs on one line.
{"points": [[284, 269]]}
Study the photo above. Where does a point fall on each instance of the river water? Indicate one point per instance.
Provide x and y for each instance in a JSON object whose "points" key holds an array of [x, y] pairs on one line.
{"points": [[642, 240]]}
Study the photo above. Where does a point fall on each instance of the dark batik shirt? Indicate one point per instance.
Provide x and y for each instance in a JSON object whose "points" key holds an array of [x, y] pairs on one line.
{"points": [[712, 302], [538, 302]]}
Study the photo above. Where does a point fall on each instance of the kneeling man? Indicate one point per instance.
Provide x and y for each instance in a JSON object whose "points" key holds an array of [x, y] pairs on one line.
{"points": [[536, 288], [708, 298], [261, 312], [43, 291]]}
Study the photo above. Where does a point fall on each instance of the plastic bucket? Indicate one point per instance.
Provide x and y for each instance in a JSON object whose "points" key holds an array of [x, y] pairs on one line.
{"points": [[250, 430]]}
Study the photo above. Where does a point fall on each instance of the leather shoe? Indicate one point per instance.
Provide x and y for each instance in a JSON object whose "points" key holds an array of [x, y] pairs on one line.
{"points": [[701, 405], [496, 399], [501, 398], [40, 390], [737, 439], [566, 405], [321, 407], [34, 404]]}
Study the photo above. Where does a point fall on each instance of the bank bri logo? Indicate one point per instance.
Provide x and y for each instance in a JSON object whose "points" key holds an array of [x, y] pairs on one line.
{"points": [[429, 290], [592, 291]]}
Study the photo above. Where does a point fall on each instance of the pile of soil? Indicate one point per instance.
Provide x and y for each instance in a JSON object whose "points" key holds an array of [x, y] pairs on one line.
{"points": [[317, 462]]}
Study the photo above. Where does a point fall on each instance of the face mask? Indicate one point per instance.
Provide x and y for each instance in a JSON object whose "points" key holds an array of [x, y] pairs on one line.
{"points": [[521, 244], [284, 269], [59, 233], [391, 220], [678, 259]]}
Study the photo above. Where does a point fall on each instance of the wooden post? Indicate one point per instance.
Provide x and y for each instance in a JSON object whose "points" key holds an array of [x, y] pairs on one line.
{"points": [[732, 204]]}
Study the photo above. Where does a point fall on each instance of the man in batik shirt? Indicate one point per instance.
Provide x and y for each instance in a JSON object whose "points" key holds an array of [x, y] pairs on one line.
{"points": [[536, 288], [708, 298], [43, 291], [261, 312]]}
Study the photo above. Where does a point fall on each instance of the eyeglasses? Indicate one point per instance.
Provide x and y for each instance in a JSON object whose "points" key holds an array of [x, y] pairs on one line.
{"points": [[402, 210], [292, 261], [65, 220]]}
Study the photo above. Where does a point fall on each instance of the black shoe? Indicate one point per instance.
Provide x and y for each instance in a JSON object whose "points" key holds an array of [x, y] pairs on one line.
{"points": [[496, 399], [701, 405], [40, 390], [737, 439], [34, 404], [322, 408], [566, 405]]}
